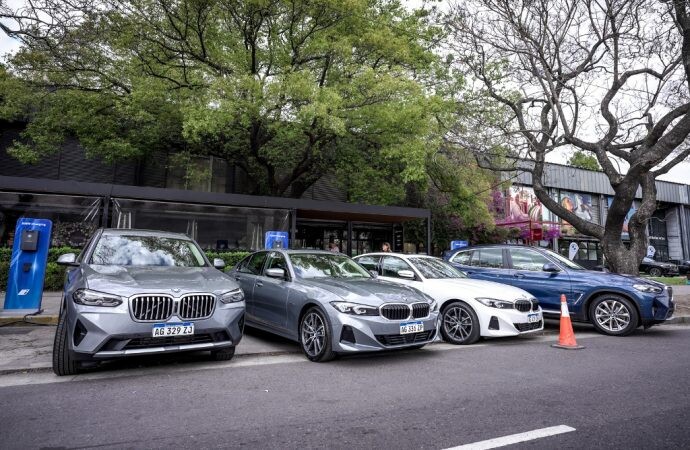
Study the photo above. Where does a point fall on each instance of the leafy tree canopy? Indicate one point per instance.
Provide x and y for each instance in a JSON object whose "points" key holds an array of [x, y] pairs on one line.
{"points": [[285, 89], [582, 160]]}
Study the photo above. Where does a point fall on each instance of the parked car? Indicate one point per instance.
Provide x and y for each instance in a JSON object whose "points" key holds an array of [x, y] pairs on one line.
{"points": [[684, 267], [658, 268], [615, 304], [330, 304], [133, 292], [468, 308]]}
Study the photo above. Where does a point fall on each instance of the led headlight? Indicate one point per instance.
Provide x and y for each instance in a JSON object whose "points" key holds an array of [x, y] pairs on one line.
{"points": [[87, 297], [433, 306], [232, 296], [355, 309], [494, 303], [648, 288]]}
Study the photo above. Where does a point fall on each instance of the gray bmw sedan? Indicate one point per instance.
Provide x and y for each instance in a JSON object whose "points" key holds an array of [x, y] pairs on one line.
{"points": [[330, 304], [134, 292]]}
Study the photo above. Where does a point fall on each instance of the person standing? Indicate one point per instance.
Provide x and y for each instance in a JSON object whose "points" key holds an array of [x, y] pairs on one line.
{"points": [[386, 247]]}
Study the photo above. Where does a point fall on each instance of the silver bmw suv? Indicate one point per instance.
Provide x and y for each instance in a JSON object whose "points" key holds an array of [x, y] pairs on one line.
{"points": [[135, 292]]}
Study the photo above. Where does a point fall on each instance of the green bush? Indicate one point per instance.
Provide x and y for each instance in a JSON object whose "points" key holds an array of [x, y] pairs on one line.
{"points": [[55, 274]]}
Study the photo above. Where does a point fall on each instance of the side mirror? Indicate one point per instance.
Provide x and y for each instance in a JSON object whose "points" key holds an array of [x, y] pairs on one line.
{"points": [[374, 273], [408, 274], [218, 263], [550, 267], [275, 273], [68, 259]]}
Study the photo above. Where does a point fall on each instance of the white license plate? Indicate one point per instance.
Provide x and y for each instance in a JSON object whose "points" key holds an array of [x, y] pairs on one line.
{"points": [[173, 329], [411, 327], [533, 318]]}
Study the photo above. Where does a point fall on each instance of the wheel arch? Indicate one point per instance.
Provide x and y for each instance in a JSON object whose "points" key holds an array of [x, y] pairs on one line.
{"points": [[594, 295]]}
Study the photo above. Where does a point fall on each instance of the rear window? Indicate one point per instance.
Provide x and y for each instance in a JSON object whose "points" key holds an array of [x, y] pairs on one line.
{"points": [[489, 257]]}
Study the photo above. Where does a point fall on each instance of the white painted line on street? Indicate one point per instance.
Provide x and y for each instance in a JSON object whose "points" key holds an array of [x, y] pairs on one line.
{"points": [[515, 438]]}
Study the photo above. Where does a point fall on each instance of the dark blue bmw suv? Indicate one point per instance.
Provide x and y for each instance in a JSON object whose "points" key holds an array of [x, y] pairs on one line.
{"points": [[615, 304]]}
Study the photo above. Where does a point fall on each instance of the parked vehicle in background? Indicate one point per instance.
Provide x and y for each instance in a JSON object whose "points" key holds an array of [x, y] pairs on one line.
{"points": [[658, 268], [134, 292], [468, 308], [330, 304], [615, 304], [684, 267]]}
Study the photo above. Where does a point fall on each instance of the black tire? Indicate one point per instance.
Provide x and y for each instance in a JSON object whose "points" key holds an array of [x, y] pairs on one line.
{"points": [[225, 354], [315, 344], [459, 324], [613, 315], [63, 363], [655, 272]]}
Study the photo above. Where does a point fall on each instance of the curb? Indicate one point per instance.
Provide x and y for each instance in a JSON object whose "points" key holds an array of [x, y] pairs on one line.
{"points": [[30, 320], [678, 320]]}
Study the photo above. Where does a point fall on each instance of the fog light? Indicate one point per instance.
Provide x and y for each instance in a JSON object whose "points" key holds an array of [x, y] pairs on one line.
{"points": [[347, 335]]}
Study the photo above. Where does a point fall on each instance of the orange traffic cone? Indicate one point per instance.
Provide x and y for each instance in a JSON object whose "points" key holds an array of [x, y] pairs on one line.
{"points": [[566, 339]]}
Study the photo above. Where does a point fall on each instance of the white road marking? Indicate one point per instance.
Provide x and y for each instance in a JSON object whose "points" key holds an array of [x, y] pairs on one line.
{"points": [[515, 438]]}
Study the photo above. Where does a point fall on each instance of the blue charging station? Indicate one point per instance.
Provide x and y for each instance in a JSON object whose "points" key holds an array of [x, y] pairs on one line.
{"points": [[454, 245], [28, 266], [276, 239]]}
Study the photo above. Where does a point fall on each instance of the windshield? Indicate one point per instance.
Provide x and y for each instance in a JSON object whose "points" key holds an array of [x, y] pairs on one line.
{"points": [[326, 266], [435, 268], [146, 251], [565, 261]]}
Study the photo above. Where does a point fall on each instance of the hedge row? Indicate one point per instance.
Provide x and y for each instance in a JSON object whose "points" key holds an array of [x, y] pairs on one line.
{"points": [[55, 274]]}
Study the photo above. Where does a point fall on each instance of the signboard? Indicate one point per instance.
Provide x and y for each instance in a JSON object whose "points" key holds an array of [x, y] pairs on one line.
{"points": [[28, 265], [524, 205], [537, 234], [625, 234], [398, 244], [454, 245], [651, 251], [276, 239], [572, 250]]}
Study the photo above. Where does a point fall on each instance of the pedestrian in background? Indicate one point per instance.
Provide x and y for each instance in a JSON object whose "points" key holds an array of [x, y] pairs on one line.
{"points": [[333, 247], [386, 247]]}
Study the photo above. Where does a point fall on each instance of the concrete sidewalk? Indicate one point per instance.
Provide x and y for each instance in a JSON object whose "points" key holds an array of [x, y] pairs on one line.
{"points": [[25, 347]]}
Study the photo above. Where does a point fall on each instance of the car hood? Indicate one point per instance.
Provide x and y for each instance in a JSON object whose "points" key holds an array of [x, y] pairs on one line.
{"points": [[610, 278], [370, 292], [469, 288], [129, 280]]}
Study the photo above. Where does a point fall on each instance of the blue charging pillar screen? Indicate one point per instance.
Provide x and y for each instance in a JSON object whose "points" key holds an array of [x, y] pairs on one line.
{"points": [[276, 239], [28, 264]]}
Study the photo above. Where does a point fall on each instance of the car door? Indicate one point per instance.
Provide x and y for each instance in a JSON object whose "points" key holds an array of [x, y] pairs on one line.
{"points": [[390, 268], [245, 274], [271, 294], [528, 274]]}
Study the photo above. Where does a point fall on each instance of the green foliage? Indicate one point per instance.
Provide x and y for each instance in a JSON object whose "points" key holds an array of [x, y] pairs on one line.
{"points": [[55, 274], [583, 160], [287, 90]]}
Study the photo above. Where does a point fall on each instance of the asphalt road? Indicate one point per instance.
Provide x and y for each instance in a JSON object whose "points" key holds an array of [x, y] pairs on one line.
{"points": [[631, 392]]}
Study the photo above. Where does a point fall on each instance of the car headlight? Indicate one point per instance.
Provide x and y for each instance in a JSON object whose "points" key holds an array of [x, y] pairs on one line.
{"points": [[355, 309], [232, 296], [494, 303], [648, 288], [87, 297], [433, 306]]}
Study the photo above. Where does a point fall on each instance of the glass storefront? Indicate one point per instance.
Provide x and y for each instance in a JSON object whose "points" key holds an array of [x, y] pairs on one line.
{"points": [[74, 218], [213, 227], [366, 238]]}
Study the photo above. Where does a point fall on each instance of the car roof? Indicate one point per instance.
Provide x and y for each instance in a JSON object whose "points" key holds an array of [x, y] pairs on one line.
{"points": [[402, 255], [139, 232]]}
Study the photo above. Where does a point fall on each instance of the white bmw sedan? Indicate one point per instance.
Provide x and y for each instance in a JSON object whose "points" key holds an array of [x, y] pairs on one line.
{"points": [[469, 308]]}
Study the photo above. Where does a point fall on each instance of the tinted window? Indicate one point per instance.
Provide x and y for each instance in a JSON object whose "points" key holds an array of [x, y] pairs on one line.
{"points": [[391, 265], [524, 259], [369, 262], [121, 250], [462, 258], [242, 265], [489, 257], [256, 263], [276, 261]]}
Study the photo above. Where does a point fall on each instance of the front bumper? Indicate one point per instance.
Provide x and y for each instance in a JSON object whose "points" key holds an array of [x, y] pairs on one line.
{"points": [[375, 333], [496, 322], [97, 333]]}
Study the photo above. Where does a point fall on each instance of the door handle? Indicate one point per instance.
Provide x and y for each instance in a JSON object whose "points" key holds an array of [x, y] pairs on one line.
{"points": [[259, 284], [238, 278], [519, 275]]}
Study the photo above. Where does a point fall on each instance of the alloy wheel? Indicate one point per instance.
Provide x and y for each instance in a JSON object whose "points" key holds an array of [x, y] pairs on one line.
{"points": [[457, 323], [612, 315], [313, 334]]}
